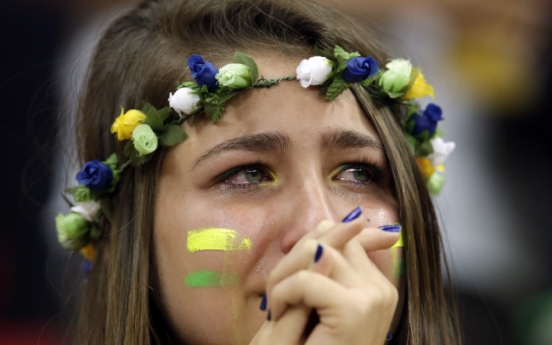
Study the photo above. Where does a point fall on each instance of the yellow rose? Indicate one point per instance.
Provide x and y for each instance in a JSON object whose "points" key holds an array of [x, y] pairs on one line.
{"points": [[125, 124], [425, 166], [89, 252], [420, 88]]}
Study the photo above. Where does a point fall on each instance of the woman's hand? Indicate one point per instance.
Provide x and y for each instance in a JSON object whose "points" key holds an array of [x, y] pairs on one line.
{"points": [[329, 271]]}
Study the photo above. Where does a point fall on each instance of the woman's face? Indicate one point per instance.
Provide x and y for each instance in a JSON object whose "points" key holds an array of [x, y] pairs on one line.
{"points": [[237, 195]]}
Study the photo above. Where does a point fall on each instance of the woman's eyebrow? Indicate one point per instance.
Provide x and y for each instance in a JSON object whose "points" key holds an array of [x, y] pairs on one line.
{"points": [[260, 142], [344, 139]]}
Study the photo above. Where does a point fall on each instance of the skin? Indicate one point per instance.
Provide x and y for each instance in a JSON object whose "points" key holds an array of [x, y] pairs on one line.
{"points": [[279, 203]]}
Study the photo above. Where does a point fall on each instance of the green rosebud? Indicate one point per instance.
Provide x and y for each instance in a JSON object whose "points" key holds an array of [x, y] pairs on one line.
{"points": [[435, 183], [235, 76], [70, 229], [396, 78], [145, 140]]}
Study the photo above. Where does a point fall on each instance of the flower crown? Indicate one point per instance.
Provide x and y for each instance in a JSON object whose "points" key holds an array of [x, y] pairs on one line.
{"points": [[333, 72]]}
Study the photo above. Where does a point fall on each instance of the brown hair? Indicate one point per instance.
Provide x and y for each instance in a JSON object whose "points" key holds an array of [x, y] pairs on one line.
{"points": [[142, 56]]}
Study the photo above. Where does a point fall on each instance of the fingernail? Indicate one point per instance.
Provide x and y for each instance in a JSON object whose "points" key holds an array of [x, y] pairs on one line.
{"points": [[319, 251], [353, 215], [391, 228], [389, 336], [269, 316], [263, 303]]}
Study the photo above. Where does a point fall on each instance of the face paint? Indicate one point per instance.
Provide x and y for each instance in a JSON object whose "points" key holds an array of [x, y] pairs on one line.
{"points": [[211, 279], [216, 239], [400, 242], [397, 251]]}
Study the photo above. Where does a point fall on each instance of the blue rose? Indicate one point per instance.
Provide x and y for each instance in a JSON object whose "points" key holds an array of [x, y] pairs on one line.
{"points": [[427, 121], [360, 68], [95, 175], [203, 72]]}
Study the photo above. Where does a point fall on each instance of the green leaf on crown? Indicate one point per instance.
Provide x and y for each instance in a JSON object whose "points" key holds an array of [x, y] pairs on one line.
{"points": [[164, 113], [212, 106], [133, 156], [337, 87], [324, 53], [244, 59], [343, 56], [95, 231], [424, 149], [438, 134], [137, 160], [129, 147], [83, 194], [107, 209], [153, 119], [368, 81], [146, 107], [112, 162], [213, 109], [193, 86], [172, 135]]}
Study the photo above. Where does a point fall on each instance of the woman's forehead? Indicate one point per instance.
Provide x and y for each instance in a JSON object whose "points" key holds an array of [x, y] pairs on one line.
{"points": [[294, 112]]}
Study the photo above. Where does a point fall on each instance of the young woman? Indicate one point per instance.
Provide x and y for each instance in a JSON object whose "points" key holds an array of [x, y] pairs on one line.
{"points": [[272, 215]]}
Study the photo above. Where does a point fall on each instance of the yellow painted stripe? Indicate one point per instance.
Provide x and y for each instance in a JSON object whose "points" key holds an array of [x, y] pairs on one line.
{"points": [[400, 242], [216, 239]]}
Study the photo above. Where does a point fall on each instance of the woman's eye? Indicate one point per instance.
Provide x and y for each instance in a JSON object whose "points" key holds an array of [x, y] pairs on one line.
{"points": [[358, 174], [246, 175]]}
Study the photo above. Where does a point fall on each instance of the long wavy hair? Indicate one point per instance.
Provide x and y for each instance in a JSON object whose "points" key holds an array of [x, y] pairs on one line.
{"points": [[142, 56]]}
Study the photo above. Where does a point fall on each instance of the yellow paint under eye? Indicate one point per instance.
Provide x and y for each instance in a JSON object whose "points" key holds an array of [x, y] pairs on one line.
{"points": [[216, 239]]}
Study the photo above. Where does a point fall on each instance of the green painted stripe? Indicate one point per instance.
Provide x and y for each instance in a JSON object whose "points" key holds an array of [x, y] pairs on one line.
{"points": [[211, 278], [400, 267]]}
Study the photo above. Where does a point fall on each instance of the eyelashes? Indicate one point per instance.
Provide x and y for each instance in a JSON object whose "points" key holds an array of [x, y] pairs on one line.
{"points": [[246, 176], [361, 174]]}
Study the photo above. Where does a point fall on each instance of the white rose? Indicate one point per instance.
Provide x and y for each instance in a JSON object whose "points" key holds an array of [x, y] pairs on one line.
{"points": [[184, 101], [87, 210], [441, 150], [314, 71]]}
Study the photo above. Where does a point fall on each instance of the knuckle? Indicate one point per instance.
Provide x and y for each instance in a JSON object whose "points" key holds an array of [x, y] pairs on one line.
{"points": [[303, 277], [309, 247]]}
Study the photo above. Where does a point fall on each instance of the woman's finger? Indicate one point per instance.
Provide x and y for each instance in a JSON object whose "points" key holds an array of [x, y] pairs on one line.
{"points": [[288, 329], [300, 257], [372, 239]]}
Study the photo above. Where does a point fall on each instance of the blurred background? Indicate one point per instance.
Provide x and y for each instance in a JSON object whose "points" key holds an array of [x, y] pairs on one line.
{"points": [[490, 65]]}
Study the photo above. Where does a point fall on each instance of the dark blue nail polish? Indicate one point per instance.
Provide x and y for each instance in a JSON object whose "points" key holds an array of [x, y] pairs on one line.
{"points": [[389, 336], [263, 303], [391, 228], [319, 251], [353, 215], [269, 316]]}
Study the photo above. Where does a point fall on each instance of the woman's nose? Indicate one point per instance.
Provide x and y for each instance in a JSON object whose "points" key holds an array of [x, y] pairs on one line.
{"points": [[308, 204]]}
